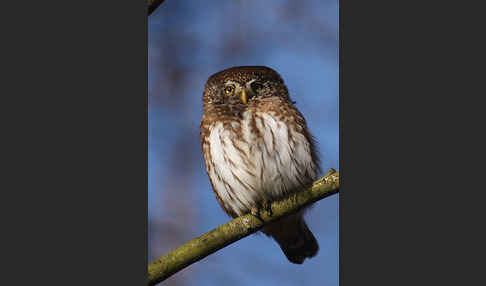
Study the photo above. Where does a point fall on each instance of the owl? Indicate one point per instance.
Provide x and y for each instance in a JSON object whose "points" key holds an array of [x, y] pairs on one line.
{"points": [[257, 149]]}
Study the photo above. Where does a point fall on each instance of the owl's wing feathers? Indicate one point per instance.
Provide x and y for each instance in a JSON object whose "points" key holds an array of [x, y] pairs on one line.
{"points": [[288, 119], [291, 233]]}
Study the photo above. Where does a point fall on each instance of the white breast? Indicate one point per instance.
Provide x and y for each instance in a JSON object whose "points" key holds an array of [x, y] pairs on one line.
{"points": [[247, 168]]}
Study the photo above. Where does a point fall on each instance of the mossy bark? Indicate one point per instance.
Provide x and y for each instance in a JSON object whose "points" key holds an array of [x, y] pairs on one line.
{"points": [[242, 226]]}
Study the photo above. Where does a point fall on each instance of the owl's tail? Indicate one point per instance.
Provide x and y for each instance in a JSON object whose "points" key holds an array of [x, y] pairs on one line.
{"points": [[294, 237]]}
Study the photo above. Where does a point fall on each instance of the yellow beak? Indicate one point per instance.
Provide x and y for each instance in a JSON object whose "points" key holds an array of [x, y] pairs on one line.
{"points": [[243, 96]]}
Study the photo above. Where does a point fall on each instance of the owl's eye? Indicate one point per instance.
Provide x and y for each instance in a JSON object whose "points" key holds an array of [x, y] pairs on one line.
{"points": [[229, 89], [256, 86]]}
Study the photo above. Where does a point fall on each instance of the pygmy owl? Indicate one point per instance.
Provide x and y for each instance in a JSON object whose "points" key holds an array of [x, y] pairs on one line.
{"points": [[257, 149]]}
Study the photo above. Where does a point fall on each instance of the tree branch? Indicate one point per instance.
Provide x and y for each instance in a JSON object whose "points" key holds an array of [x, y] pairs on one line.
{"points": [[153, 4], [240, 227]]}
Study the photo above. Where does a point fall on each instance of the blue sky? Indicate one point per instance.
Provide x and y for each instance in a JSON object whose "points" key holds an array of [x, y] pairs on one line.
{"points": [[189, 41]]}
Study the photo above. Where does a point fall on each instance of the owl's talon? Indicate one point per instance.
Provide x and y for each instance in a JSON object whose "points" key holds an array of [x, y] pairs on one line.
{"points": [[267, 205], [256, 213]]}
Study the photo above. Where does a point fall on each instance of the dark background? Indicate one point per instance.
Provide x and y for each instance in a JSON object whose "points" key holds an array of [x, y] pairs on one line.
{"points": [[187, 42]]}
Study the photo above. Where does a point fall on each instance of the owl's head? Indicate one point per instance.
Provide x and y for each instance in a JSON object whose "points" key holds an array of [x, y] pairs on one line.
{"points": [[242, 85]]}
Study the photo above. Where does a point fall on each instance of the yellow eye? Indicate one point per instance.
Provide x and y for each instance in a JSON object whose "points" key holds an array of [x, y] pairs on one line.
{"points": [[228, 90]]}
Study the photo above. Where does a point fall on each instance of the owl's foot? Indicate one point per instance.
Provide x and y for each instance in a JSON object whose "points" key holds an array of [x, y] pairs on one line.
{"points": [[267, 205], [256, 213]]}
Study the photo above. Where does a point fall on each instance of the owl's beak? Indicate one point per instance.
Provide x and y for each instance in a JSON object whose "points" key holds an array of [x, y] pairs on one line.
{"points": [[243, 96]]}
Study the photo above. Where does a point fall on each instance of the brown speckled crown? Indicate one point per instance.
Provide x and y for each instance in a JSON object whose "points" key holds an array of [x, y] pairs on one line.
{"points": [[246, 73]]}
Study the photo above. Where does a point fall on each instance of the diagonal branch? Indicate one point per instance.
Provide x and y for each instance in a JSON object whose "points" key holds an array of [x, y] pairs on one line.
{"points": [[153, 4], [240, 227]]}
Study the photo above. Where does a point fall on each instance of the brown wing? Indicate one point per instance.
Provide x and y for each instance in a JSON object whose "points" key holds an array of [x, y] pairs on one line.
{"points": [[284, 110]]}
